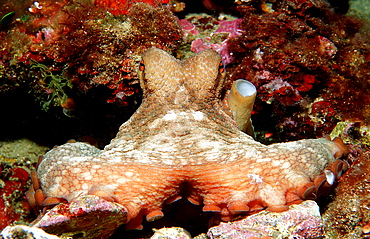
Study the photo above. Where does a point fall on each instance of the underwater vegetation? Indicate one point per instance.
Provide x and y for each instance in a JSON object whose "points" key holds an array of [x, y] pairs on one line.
{"points": [[82, 45], [55, 86], [309, 63], [14, 182], [123, 7]]}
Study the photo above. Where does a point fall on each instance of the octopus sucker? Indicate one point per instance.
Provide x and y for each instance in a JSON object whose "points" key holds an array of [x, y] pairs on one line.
{"points": [[184, 139]]}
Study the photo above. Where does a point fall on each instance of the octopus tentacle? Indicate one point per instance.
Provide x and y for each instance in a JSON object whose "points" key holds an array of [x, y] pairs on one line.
{"points": [[30, 195], [211, 208], [182, 139], [173, 199], [51, 201], [342, 148], [337, 167], [237, 207]]}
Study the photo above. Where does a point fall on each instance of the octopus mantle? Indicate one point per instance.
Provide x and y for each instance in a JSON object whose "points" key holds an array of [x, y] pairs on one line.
{"points": [[182, 135]]}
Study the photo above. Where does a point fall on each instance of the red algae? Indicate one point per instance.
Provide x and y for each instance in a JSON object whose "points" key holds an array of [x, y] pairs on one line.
{"points": [[17, 159], [207, 32], [66, 48], [296, 53], [123, 6], [14, 183], [307, 62]]}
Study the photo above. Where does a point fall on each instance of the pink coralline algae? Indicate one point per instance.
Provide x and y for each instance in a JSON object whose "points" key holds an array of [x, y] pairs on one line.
{"points": [[278, 88], [286, 92], [301, 221], [232, 28], [188, 27], [211, 36], [90, 216]]}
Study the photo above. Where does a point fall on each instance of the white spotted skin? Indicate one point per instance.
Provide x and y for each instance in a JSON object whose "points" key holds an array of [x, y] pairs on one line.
{"points": [[182, 133]]}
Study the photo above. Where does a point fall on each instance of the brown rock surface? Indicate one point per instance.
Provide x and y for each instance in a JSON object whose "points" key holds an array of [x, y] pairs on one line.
{"points": [[348, 215]]}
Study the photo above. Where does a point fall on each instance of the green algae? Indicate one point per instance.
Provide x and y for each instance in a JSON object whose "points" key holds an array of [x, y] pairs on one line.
{"points": [[55, 83]]}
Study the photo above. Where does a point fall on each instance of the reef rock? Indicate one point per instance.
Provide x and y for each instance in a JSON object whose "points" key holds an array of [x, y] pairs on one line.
{"points": [[23, 231], [348, 215], [87, 217], [301, 221]]}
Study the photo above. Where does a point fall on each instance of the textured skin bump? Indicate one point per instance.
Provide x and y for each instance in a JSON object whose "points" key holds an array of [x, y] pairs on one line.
{"points": [[182, 135]]}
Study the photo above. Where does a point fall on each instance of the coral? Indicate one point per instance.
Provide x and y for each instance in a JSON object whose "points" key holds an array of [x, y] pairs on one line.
{"points": [[183, 142], [302, 57], [226, 30]]}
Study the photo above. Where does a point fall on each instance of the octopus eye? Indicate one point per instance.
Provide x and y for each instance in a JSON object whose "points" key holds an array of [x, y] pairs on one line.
{"points": [[221, 72], [141, 71], [141, 66], [220, 78], [221, 68]]}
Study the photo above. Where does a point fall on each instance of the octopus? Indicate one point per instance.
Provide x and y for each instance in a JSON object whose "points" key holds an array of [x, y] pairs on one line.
{"points": [[187, 136]]}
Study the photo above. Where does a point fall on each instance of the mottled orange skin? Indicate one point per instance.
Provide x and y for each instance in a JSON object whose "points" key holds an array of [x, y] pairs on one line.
{"points": [[183, 135]]}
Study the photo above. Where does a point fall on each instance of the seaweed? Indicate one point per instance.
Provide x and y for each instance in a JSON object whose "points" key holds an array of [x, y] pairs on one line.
{"points": [[55, 86]]}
